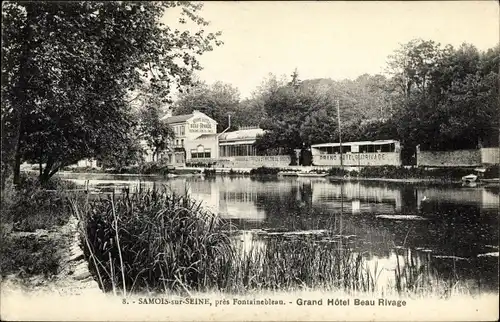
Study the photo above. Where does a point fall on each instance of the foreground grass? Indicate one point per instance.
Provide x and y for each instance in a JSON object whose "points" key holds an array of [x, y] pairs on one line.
{"points": [[28, 256], [31, 206], [29, 212], [156, 242], [153, 240]]}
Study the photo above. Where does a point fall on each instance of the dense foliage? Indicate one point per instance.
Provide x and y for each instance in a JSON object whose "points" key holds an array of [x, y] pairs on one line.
{"points": [[448, 98], [33, 206], [68, 70], [218, 101]]}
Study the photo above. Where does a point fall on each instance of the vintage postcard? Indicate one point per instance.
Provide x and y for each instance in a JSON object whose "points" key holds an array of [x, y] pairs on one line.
{"points": [[250, 161]]}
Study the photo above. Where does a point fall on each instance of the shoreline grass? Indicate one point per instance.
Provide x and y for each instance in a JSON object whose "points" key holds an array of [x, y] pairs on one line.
{"points": [[30, 212], [389, 173]]}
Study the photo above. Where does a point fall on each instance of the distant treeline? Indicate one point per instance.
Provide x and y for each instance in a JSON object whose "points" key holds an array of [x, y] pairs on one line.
{"points": [[438, 97]]}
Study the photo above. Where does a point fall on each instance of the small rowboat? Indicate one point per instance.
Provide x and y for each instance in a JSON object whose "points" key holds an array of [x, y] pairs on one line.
{"points": [[287, 173], [311, 174], [469, 178]]}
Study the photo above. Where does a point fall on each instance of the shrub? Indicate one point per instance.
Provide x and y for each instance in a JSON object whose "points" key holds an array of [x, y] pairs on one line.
{"points": [[35, 207], [29, 255], [201, 164], [337, 172], [152, 241], [263, 171], [394, 172], [154, 168], [209, 172], [83, 169]]}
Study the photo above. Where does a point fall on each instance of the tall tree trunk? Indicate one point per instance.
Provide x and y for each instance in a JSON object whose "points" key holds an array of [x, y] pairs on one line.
{"points": [[20, 99], [17, 161], [40, 164], [44, 178]]}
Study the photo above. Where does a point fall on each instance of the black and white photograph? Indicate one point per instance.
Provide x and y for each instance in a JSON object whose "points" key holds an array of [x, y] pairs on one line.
{"points": [[250, 161]]}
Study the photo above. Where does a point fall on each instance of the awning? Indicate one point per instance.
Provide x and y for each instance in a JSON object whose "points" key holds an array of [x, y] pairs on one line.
{"points": [[378, 142], [237, 142]]}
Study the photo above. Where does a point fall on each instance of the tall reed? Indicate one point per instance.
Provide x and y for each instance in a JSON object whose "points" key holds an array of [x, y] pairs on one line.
{"points": [[153, 241]]}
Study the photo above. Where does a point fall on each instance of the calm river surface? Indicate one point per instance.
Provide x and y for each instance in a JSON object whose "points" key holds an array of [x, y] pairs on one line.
{"points": [[454, 227]]}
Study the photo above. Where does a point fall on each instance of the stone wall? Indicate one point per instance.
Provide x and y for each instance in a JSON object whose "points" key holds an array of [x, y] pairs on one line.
{"points": [[458, 158], [490, 155]]}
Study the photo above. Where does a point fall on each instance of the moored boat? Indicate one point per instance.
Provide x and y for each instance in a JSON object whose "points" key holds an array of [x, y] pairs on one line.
{"points": [[469, 178], [311, 174], [287, 173]]}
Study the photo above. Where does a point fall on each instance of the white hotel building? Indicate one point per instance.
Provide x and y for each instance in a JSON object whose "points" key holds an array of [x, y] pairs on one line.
{"points": [[197, 142]]}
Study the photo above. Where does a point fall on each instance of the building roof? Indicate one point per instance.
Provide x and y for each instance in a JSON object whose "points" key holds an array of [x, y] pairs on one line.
{"points": [[378, 142], [240, 135], [177, 118], [206, 136], [169, 119]]}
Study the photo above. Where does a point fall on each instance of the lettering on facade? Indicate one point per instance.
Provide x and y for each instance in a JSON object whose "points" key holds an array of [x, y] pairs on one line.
{"points": [[262, 158], [200, 125], [354, 157]]}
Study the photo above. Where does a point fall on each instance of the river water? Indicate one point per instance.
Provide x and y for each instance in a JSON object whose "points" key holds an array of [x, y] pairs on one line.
{"points": [[455, 227]]}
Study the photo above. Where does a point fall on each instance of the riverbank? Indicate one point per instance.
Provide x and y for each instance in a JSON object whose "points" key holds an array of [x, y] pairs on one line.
{"points": [[58, 247], [40, 251], [382, 174]]}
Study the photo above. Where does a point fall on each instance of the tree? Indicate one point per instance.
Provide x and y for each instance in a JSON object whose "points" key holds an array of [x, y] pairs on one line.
{"points": [[294, 114], [129, 152], [414, 64], [251, 111], [451, 96], [153, 130], [217, 101], [68, 69]]}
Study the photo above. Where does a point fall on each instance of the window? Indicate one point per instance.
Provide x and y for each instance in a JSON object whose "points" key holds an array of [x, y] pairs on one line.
{"points": [[182, 130], [200, 152], [182, 142], [176, 142]]}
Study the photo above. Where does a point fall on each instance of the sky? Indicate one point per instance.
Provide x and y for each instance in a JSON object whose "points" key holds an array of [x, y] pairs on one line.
{"points": [[334, 39]]}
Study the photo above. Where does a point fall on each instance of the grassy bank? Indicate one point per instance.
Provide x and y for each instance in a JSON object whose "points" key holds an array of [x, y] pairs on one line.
{"points": [[150, 168], [29, 212], [153, 241], [382, 172], [393, 172]]}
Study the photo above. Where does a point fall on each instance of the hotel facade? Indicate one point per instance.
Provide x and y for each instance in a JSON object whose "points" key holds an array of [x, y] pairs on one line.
{"points": [[197, 142]]}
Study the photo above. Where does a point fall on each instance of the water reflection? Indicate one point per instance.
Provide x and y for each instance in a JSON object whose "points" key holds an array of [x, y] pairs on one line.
{"points": [[460, 224]]}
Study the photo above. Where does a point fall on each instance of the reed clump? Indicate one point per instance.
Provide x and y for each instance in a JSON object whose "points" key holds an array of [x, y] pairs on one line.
{"points": [[293, 264], [153, 241]]}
